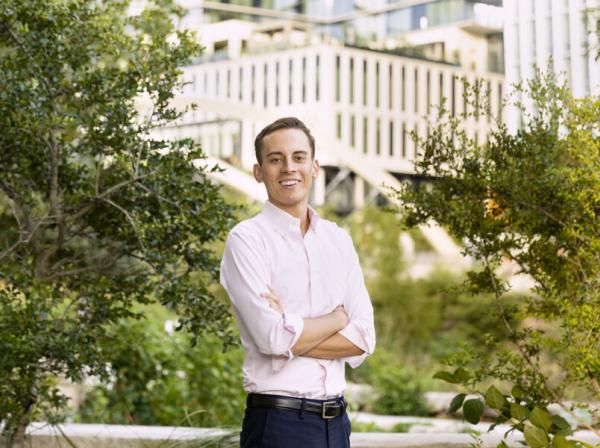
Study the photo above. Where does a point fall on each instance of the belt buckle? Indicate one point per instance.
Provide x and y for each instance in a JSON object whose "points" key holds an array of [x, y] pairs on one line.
{"points": [[324, 409]]}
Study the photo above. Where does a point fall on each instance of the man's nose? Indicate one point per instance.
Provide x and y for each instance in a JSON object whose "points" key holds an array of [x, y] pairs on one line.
{"points": [[288, 165]]}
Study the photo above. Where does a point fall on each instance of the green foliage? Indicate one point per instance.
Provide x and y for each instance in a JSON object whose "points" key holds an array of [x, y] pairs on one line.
{"points": [[534, 198], [157, 378], [95, 214], [416, 319], [419, 322], [399, 388]]}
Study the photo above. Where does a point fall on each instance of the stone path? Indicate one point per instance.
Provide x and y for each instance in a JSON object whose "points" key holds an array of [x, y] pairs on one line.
{"points": [[131, 436]]}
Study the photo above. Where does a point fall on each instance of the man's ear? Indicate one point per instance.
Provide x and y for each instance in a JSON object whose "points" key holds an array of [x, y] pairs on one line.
{"points": [[257, 173], [315, 168]]}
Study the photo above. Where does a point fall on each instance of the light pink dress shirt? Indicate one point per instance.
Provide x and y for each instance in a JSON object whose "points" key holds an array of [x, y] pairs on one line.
{"points": [[311, 275]]}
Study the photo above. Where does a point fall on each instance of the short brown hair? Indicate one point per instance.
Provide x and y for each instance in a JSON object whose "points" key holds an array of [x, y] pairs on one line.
{"points": [[282, 123]]}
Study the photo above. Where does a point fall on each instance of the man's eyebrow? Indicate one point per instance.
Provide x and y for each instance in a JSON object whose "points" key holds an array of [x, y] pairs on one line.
{"points": [[279, 153], [274, 153]]}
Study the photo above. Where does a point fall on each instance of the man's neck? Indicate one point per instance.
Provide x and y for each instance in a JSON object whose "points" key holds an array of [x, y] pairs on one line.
{"points": [[300, 212]]}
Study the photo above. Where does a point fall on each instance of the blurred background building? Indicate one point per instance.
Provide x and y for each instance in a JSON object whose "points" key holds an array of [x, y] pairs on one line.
{"points": [[364, 75], [560, 35]]}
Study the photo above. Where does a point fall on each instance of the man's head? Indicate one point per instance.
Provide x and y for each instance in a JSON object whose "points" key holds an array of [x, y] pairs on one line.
{"points": [[282, 123], [286, 164]]}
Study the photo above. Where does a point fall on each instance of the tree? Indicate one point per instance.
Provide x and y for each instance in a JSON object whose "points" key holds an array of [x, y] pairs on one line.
{"points": [[532, 198], [95, 214]]}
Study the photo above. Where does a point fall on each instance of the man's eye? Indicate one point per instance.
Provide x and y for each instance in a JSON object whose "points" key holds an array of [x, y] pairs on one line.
{"points": [[300, 158], [275, 160]]}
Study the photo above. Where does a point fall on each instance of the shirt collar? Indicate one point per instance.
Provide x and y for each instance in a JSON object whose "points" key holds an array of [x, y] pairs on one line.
{"points": [[285, 223]]}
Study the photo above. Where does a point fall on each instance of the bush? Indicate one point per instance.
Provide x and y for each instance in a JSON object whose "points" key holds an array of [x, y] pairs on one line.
{"points": [[399, 389], [158, 378]]}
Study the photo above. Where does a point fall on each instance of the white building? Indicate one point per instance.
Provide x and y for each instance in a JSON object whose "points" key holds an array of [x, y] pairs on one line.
{"points": [[361, 103], [537, 31]]}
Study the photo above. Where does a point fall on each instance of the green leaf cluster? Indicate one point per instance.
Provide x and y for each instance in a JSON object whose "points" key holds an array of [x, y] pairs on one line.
{"points": [[96, 214], [157, 378], [531, 198]]}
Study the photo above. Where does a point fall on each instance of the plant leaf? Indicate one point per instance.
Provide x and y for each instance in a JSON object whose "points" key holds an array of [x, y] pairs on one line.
{"points": [[536, 437], [540, 418], [445, 376], [561, 423], [456, 403], [494, 398], [561, 441], [517, 392], [519, 412], [472, 410]]}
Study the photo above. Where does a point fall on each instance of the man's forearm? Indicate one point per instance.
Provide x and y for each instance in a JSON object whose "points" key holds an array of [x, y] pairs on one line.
{"points": [[317, 330], [334, 347]]}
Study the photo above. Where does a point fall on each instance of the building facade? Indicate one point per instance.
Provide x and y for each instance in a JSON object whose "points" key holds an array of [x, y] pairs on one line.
{"points": [[363, 79], [557, 34]]}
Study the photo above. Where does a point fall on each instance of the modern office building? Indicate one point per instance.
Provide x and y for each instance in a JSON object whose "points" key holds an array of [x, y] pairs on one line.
{"points": [[362, 75], [558, 34]]}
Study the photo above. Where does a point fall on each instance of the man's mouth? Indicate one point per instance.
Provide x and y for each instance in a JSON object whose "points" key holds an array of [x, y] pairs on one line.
{"points": [[288, 183]]}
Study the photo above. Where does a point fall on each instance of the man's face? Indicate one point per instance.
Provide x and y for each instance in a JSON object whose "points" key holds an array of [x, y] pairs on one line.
{"points": [[287, 168]]}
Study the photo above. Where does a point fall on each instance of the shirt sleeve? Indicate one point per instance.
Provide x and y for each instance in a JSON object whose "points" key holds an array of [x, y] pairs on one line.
{"points": [[245, 275], [357, 303]]}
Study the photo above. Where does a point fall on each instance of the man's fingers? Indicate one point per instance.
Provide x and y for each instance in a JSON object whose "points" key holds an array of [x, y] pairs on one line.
{"points": [[270, 296]]}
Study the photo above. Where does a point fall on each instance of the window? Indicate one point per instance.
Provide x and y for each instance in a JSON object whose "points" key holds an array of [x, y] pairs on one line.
{"points": [[365, 135], [304, 79], [378, 136], [277, 82], [317, 78], [403, 140], [290, 81], [403, 89], [453, 95], [241, 83], [377, 84], [351, 83], [364, 89], [337, 78], [441, 91], [416, 90], [390, 87], [228, 89], [253, 83], [428, 88], [391, 138], [265, 84]]}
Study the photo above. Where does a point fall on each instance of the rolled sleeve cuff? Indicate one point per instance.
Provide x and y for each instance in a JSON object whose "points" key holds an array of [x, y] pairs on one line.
{"points": [[362, 338], [294, 324]]}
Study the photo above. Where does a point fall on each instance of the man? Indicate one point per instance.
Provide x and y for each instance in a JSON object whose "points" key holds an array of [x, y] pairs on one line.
{"points": [[300, 302]]}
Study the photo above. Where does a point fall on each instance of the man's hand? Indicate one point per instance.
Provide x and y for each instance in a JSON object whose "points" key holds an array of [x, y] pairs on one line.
{"points": [[273, 300], [340, 312]]}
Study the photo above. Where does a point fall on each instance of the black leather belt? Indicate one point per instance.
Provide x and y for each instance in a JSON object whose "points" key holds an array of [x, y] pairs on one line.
{"points": [[325, 408]]}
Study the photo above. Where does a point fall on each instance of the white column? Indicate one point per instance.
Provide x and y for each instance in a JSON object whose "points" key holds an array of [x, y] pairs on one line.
{"points": [[577, 33], [359, 192]]}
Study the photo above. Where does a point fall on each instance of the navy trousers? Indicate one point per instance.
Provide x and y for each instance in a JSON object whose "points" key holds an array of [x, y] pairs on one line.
{"points": [[289, 428]]}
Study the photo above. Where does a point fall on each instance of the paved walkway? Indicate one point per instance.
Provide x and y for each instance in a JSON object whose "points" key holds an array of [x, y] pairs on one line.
{"points": [[131, 436]]}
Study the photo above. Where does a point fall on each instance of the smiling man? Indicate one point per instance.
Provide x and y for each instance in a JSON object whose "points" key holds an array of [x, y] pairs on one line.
{"points": [[300, 302]]}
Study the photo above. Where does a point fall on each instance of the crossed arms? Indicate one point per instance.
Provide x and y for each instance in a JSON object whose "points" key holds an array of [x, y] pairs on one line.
{"points": [[320, 337]]}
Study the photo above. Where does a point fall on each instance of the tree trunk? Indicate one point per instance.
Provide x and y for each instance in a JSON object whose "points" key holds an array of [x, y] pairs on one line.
{"points": [[15, 434], [16, 437]]}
